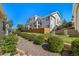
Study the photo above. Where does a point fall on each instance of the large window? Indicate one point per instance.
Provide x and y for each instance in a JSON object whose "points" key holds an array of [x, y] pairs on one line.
{"points": [[34, 25], [47, 18], [39, 22]]}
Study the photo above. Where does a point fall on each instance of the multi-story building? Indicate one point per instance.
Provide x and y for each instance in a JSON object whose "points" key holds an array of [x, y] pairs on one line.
{"points": [[50, 21], [75, 12]]}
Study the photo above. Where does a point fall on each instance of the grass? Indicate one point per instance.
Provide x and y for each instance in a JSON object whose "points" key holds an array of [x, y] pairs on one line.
{"points": [[65, 38]]}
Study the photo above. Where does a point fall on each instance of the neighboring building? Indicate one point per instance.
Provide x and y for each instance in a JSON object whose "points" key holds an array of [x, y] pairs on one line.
{"points": [[50, 21], [75, 12], [2, 15]]}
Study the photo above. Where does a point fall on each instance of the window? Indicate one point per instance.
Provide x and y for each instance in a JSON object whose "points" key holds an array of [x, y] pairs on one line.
{"points": [[48, 26], [47, 18], [34, 25], [39, 22]]}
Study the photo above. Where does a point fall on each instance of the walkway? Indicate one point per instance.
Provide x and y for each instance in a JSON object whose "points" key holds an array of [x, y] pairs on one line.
{"points": [[32, 49]]}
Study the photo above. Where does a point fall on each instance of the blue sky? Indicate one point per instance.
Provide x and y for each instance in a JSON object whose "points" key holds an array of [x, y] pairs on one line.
{"points": [[19, 12]]}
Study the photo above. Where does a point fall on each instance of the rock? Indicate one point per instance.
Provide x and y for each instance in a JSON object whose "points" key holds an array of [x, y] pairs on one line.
{"points": [[67, 46]]}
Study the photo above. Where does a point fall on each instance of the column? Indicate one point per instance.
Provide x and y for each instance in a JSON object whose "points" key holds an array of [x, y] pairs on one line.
{"points": [[37, 24]]}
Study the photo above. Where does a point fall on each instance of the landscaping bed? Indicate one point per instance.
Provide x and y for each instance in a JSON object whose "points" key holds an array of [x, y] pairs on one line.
{"points": [[56, 42]]}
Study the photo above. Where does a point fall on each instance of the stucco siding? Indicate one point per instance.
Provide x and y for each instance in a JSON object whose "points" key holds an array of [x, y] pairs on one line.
{"points": [[75, 12]]}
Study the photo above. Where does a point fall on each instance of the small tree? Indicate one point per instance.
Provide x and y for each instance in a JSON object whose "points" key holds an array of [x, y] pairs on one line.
{"points": [[69, 24], [64, 24], [20, 27], [10, 22]]}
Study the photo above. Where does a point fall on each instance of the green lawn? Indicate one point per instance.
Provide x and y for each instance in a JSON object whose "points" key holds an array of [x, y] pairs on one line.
{"points": [[67, 38], [63, 37]]}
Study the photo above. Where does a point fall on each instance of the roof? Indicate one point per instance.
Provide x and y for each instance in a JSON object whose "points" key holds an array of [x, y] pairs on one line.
{"points": [[55, 13], [39, 17]]}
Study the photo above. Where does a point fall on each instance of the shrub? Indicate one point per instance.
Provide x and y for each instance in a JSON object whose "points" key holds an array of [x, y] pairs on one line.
{"points": [[23, 30], [55, 44], [9, 44], [31, 37], [75, 47], [73, 35], [24, 35], [39, 39], [60, 33], [1, 44], [28, 36], [1, 41]]}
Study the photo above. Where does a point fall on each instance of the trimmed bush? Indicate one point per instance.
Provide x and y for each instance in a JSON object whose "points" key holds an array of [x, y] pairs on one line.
{"points": [[31, 37], [24, 35], [39, 40], [75, 47], [60, 33], [28, 36], [55, 44]]}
